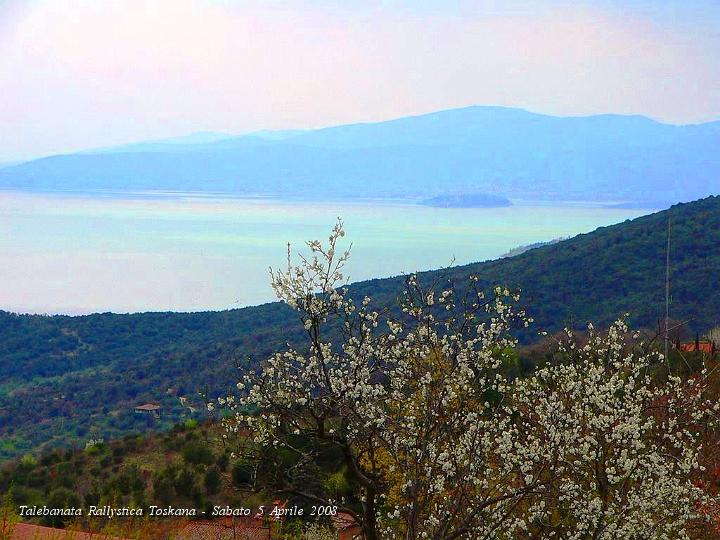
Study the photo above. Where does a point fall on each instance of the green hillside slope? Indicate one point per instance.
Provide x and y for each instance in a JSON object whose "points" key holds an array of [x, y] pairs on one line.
{"points": [[64, 378]]}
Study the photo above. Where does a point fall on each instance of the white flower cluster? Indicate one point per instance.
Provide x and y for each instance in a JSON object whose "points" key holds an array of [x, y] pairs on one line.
{"points": [[444, 444], [612, 448]]}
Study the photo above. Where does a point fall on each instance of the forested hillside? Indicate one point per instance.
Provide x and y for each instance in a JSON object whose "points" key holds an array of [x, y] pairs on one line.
{"points": [[185, 467], [68, 379]]}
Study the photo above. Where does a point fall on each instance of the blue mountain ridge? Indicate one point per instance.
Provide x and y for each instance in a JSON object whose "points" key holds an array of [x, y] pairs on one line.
{"points": [[494, 150]]}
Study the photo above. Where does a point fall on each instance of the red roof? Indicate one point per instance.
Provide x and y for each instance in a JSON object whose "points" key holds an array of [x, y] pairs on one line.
{"points": [[27, 531], [346, 525], [148, 407], [343, 520], [224, 530], [704, 346]]}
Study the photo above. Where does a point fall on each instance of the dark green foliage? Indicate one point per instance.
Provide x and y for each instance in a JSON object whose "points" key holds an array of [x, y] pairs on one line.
{"points": [[127, 481], [163, 487], [195, 452], [184, 482], [198, 498], [222, 461], [242, 474], [61, 498], [83, 372], [24, 495], [145, 474], [212, 480], [49, 458], [37, 478]]}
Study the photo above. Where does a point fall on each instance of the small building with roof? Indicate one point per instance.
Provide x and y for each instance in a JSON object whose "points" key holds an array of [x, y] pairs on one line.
{"points": [[148, 408]]}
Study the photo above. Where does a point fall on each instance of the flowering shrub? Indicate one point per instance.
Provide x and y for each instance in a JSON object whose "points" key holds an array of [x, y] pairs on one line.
{"points": [[440, 442], [614, 447], [317, 532]]}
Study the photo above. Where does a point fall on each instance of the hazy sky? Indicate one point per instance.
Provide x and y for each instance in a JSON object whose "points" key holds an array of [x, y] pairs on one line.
{"points": [[83, 73]]}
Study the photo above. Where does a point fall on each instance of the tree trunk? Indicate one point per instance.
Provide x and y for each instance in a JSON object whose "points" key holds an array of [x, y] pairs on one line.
{"points": [[370, 531]]}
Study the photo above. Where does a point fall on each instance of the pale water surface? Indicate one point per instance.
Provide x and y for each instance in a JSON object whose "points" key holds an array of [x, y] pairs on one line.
{"points": [[63, 253]]}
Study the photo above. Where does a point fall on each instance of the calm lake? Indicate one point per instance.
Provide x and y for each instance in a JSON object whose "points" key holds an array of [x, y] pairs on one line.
{"points": [[62, 253]]}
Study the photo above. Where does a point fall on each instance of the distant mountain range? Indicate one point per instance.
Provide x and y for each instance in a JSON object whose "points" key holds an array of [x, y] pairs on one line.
{"points": [[64, 375], [9, 163], [494, 150], [188, 142]]}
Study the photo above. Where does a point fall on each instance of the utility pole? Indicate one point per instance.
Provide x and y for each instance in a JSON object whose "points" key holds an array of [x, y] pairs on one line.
{"points": [[667, 291]]}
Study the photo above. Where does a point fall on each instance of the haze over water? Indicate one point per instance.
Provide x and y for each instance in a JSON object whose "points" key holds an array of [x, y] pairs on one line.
{"points": [[88, 253]]}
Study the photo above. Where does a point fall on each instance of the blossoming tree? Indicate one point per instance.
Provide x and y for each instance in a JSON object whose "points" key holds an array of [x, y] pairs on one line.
{"points": [[440, 442], [621, 439]]}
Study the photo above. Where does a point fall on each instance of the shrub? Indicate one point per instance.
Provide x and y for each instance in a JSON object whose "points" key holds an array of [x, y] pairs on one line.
{"points": [[61, 498], [197, 453], [185, 483], [242, 474], [212, 480], [28, 462], [222, 461]]}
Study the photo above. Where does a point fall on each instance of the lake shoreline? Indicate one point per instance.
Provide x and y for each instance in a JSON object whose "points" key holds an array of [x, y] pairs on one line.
{"points": [[262, 197]]}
